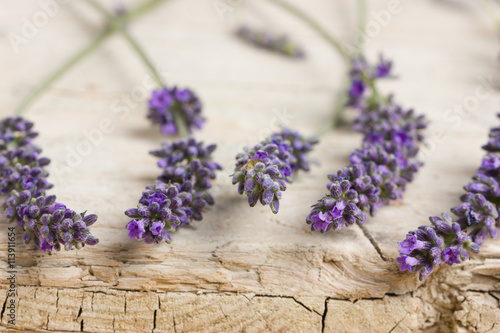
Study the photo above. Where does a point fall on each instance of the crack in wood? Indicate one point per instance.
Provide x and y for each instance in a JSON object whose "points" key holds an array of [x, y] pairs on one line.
{"points": [[288, 297], [4, 306], [397, 324], [78, 316], [373, 242], [48, 320], [447, 311], [154, 321], [175, 323], [57, 301], [323, 317], [492, 327], [225, 316], [494, 296]]}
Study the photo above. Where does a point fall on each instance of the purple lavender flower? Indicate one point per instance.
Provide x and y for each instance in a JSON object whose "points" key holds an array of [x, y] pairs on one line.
{"points": [[185, 160], [363, 77], [162, 208], [451, 255], [180, 194], [51, 225], [261, 171], [383, 68], [168, 105], [490, 166], [493, 144], [476, 217], [266, 40], [136, 228], [357, 89], [352, 195], [15, 132], [23, 178], [410, 243], [425, 255], [386, 162], [428, 246]]}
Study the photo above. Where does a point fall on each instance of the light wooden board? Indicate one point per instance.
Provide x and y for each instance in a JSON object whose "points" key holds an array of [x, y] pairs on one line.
{"points": [[244, 269]]}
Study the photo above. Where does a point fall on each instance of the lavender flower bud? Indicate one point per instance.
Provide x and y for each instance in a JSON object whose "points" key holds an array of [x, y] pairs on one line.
{"points": [[91, 240], [164, 103], [260, 171]]}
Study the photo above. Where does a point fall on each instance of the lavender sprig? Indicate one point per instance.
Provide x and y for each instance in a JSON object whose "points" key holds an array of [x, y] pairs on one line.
{"points": [[266, 40], [456, 239], [23, 178], [168, 103], [261, 171], [180, 194], [385, 163]]}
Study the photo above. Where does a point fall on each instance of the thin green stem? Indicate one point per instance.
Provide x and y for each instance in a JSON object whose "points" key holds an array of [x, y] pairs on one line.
{"points": [[362, 11], [180, 122], [491, 12], [133, 43], [61, 70], [35, 93], [376, 95], [142, 9], [314, 25], [117, 23], [101, 9], [176, 113]]}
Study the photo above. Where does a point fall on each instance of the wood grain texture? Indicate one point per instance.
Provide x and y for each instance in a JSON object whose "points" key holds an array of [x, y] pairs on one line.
{"points": [[244, 269]]}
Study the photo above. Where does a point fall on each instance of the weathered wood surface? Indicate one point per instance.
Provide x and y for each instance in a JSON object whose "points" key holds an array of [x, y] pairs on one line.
{"points": [[243, 269]]}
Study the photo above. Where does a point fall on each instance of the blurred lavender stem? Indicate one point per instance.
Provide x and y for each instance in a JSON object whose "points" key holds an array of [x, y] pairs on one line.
{"points": [[80, 55], [342, 97], [362, 11], [61, 70], [486, 7], [117, 24], [314, 25]]}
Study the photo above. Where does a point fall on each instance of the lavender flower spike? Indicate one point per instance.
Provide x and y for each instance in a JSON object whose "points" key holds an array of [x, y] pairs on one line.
{"points": [[476, 218], [180, 195], [51, 225], [386, 162], [266, 40], [261, 171], [167, 104]]}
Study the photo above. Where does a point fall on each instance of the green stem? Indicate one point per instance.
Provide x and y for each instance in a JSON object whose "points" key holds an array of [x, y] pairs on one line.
{"points": [[362, 11], [491, 12], [314, 25], [117, 23], [97, 6], [135, 46], [180, 122], [376, 96], [61, 70], [176, 113], [141, 9], [35, 93]]}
